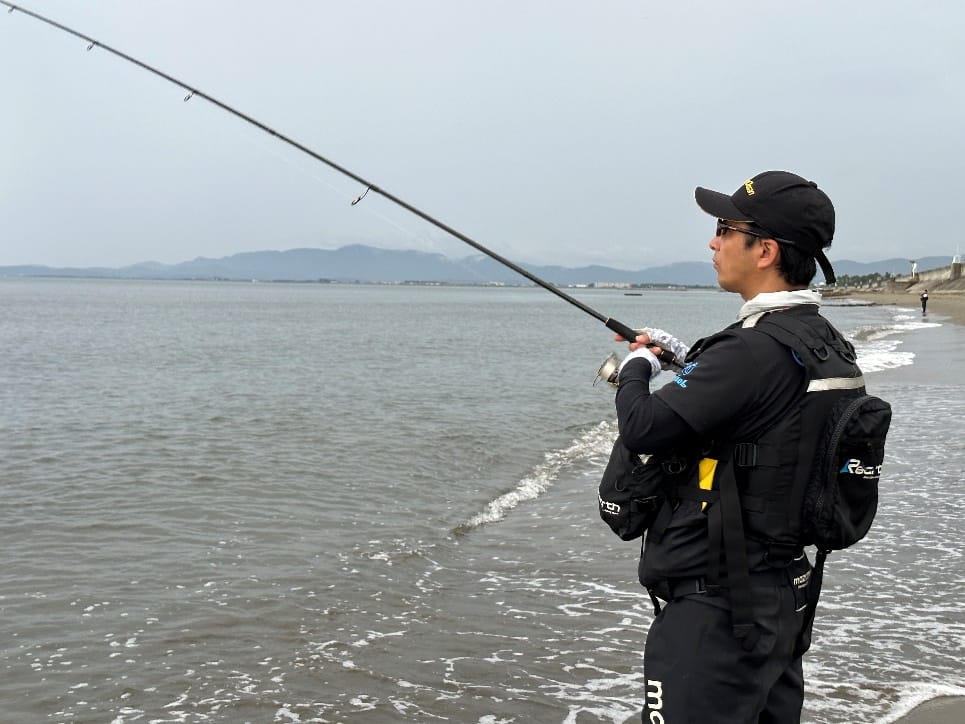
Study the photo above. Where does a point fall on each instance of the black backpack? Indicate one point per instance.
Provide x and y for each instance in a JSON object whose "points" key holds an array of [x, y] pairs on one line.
{"points": [[841, 498]]}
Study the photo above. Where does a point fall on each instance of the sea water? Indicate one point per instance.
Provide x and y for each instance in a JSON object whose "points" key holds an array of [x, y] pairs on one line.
{"points": [[327, 503]]}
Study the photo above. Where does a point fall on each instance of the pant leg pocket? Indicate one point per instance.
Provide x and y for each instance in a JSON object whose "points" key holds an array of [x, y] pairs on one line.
{"points": [[800, 574], [800, 585]]}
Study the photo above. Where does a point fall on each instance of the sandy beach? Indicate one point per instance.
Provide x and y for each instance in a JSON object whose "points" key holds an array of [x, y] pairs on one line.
{"points": [[942, 306]]}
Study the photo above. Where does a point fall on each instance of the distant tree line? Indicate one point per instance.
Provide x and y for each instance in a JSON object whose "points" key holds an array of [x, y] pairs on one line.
{"points": [[864, 280]]}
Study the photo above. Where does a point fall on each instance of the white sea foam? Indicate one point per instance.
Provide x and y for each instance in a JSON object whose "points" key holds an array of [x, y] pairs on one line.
{"points": [[904, 323], [882, 354], [877, 346], [586, 446]]}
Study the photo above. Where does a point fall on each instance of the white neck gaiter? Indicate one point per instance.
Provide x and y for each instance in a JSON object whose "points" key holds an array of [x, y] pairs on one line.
{"points": [[769, 301]]}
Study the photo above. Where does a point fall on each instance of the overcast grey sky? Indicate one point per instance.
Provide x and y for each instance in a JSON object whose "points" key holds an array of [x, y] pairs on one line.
{"points": [[552, 132]]}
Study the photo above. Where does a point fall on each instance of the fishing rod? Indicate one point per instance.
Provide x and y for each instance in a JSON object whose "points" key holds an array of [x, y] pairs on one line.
{"points": [[623, 330]]}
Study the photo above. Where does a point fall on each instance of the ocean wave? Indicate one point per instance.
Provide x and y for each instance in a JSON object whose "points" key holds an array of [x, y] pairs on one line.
{"points": [[902, 323], [877, 346], [882, 355], [592, 442]]}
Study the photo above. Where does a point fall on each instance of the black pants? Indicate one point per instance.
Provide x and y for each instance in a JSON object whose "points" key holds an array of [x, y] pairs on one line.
{"points": [[697, 671]]}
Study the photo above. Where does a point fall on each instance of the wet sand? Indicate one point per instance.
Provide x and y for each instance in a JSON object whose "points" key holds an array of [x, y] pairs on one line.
{"points": [[942, 306], [943, 710]]}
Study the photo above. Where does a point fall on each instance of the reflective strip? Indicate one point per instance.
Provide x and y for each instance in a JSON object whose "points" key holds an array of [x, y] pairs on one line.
{"points": [[836, 383]]}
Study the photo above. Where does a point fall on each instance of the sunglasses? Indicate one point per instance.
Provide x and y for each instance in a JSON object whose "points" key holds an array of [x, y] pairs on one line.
{"points": [[723, 228]]}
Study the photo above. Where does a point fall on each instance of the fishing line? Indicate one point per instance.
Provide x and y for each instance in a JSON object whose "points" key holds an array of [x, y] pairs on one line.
{"points": [[353, 198], [368, 186]]}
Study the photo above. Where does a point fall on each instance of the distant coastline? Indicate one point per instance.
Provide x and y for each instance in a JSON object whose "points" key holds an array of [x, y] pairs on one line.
{"points": [[361, 264], [522, 283]]}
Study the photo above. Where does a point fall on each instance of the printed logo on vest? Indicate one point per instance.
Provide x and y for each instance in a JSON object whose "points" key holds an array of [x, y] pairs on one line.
{"points": [[856, 467]]}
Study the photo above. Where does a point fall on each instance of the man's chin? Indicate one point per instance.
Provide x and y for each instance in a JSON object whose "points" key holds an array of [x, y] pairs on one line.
{"points": [[728, 287]]}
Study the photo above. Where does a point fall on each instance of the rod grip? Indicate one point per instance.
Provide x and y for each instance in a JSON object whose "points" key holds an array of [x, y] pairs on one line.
{"points": [[623, 330]]}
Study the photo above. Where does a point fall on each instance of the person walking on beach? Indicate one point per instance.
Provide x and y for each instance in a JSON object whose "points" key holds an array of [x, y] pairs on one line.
{"points": [[699, 664], [924, 300]]}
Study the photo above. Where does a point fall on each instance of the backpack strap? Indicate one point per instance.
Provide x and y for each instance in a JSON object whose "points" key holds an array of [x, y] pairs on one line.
{"points": [[725, 526], [808, 342]]}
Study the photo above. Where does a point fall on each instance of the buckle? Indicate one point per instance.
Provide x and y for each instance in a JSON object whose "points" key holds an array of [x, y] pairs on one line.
{"points": [[745, 455]]}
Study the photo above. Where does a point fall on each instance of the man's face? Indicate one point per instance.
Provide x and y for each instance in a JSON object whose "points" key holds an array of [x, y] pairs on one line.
{"points": [[734, 262]]}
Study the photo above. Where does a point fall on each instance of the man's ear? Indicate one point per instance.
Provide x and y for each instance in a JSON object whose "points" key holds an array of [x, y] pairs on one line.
{"points": [[769, 254]]}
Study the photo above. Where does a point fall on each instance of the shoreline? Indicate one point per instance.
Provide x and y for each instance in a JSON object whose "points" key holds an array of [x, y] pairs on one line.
{"points": [[945, 306], [948, 307], [940, 710]]}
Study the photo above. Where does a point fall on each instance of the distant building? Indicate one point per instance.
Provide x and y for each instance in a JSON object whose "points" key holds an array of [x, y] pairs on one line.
{"points": [[611, 285]]}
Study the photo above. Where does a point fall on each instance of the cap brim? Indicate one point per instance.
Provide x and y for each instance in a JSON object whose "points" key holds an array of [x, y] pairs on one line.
{"points": [[719, 205]]}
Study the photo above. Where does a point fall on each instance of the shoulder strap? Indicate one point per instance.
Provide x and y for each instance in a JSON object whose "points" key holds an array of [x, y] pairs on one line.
{"points": [[725, 525], [814, 343]]}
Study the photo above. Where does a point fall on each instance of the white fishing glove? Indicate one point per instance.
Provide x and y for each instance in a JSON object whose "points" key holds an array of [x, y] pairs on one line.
{"points": [[668, 342], [643, 353]]}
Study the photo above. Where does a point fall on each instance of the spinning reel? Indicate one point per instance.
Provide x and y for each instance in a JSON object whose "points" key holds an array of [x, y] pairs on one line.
{"points": [[609, 371]]}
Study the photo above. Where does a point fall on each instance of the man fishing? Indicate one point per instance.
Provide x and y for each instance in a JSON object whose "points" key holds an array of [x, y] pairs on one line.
{"points": [[720, 650]]}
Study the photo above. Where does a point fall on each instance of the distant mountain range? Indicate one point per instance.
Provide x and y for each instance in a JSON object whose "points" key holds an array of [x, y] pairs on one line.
{"points": [[360, 263]]}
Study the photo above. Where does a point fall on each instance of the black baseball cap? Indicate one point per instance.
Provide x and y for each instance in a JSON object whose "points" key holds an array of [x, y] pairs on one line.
{"points": [[786, 206]]}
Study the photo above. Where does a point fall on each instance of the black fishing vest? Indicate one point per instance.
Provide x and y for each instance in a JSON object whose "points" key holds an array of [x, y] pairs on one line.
{"points": [[773, 472], [759, 486]]}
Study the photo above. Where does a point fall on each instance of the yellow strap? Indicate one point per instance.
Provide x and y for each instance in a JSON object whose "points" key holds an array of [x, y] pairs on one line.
{"points": [[705, 473]]}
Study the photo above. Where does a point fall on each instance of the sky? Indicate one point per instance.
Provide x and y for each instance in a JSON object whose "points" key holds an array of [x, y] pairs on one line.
{"points": [[552, 132]]}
